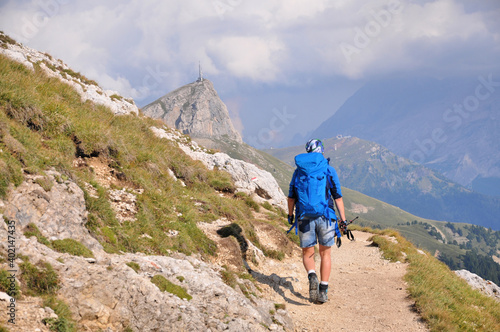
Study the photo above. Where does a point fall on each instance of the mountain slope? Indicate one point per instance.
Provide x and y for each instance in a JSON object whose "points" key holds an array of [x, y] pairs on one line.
{"points": [[452, 126], [76, 179], [375, 171]]}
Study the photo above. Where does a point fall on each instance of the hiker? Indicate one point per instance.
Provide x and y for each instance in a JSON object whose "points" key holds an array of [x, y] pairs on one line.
{"points": [[315, 216]]}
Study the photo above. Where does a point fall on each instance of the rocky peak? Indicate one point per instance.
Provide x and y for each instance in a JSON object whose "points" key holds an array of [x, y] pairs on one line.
{"points": [[196, 110]]}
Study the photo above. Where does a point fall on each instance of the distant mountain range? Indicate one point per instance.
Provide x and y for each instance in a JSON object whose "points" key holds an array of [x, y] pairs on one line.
{"points": [[377, 172], [452, 126]]}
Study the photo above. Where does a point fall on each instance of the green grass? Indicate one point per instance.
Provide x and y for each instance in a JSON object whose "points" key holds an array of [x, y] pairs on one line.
{"points": [[69, 246], [134, 266], [166, 285], [65, 321], [40, 279], [32, 230], [443, 300], [72, 247], [228, 277], [45, 183]]}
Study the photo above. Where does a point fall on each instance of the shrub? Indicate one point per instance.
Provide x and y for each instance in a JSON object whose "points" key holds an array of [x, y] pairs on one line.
{"points": [[64, 322], [40, 279], [57, 324], [45, 183], [279, 306]]}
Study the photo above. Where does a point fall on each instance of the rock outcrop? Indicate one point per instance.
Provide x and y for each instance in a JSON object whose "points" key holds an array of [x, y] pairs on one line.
{"points": [[195, 109], [485, 286], [248, 178], [54, 204], [87, 89], [107, 293]]}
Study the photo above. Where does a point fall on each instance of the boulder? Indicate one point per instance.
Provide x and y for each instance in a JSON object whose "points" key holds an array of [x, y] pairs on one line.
{"points": [[485, 286]]}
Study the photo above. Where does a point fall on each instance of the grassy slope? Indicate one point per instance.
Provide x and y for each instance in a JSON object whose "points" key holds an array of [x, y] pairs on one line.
{"points": [[44, 124]]}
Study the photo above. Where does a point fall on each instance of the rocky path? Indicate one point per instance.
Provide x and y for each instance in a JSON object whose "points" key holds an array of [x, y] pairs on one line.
{"points": [[367, 293]]}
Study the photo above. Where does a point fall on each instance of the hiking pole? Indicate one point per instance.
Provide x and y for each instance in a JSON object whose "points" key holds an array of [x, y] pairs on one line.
{"points": [[345, 231]]}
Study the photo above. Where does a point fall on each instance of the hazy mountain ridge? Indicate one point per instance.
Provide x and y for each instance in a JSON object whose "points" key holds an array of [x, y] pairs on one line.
{"points": [[448, 125], [375, 171]]}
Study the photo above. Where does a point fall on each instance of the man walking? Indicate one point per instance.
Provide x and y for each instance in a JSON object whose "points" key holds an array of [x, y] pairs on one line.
{"points": [[313, 190]]}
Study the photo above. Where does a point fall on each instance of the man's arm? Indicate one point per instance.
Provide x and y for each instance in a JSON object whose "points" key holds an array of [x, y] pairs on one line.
{"points": [[291, 205], [339, 202]]}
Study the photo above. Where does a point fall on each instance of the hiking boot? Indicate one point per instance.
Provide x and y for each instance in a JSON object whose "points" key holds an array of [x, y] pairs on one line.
{"points": [[323, 293], [313, 287]]}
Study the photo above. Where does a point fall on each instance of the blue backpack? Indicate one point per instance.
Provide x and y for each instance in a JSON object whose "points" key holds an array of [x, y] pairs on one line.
{"points": [[311, 183]]}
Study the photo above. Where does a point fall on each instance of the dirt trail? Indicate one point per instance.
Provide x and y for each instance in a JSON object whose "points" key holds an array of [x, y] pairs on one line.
{"points": [[366, 293]]}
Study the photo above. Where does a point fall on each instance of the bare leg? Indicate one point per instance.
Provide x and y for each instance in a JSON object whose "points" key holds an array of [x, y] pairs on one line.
{"points": [[326, 262], [308, 258]]}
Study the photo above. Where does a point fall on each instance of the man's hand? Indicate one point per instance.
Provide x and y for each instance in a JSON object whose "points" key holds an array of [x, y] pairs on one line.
{"points": [[343, 226], [290, 219]]}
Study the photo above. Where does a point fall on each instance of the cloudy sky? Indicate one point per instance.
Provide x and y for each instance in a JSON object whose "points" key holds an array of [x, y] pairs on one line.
{"points": [[282, 67]]}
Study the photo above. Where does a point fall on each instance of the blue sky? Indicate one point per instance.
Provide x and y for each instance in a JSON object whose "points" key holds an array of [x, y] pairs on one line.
{"points": [[281, 67]]}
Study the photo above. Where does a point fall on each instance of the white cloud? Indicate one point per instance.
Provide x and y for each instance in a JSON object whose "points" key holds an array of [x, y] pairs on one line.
{"points": [[247, 57]]}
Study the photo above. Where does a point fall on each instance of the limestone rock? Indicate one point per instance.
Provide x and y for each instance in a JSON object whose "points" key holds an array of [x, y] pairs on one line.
{"points": [[124, 204], [485, 286], [111, 295], [105, 293], [56, 206], [195, 109], [248, 178]]}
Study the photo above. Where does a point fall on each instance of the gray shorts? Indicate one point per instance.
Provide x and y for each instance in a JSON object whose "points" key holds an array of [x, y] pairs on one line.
{"points": [[319, 230]]}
